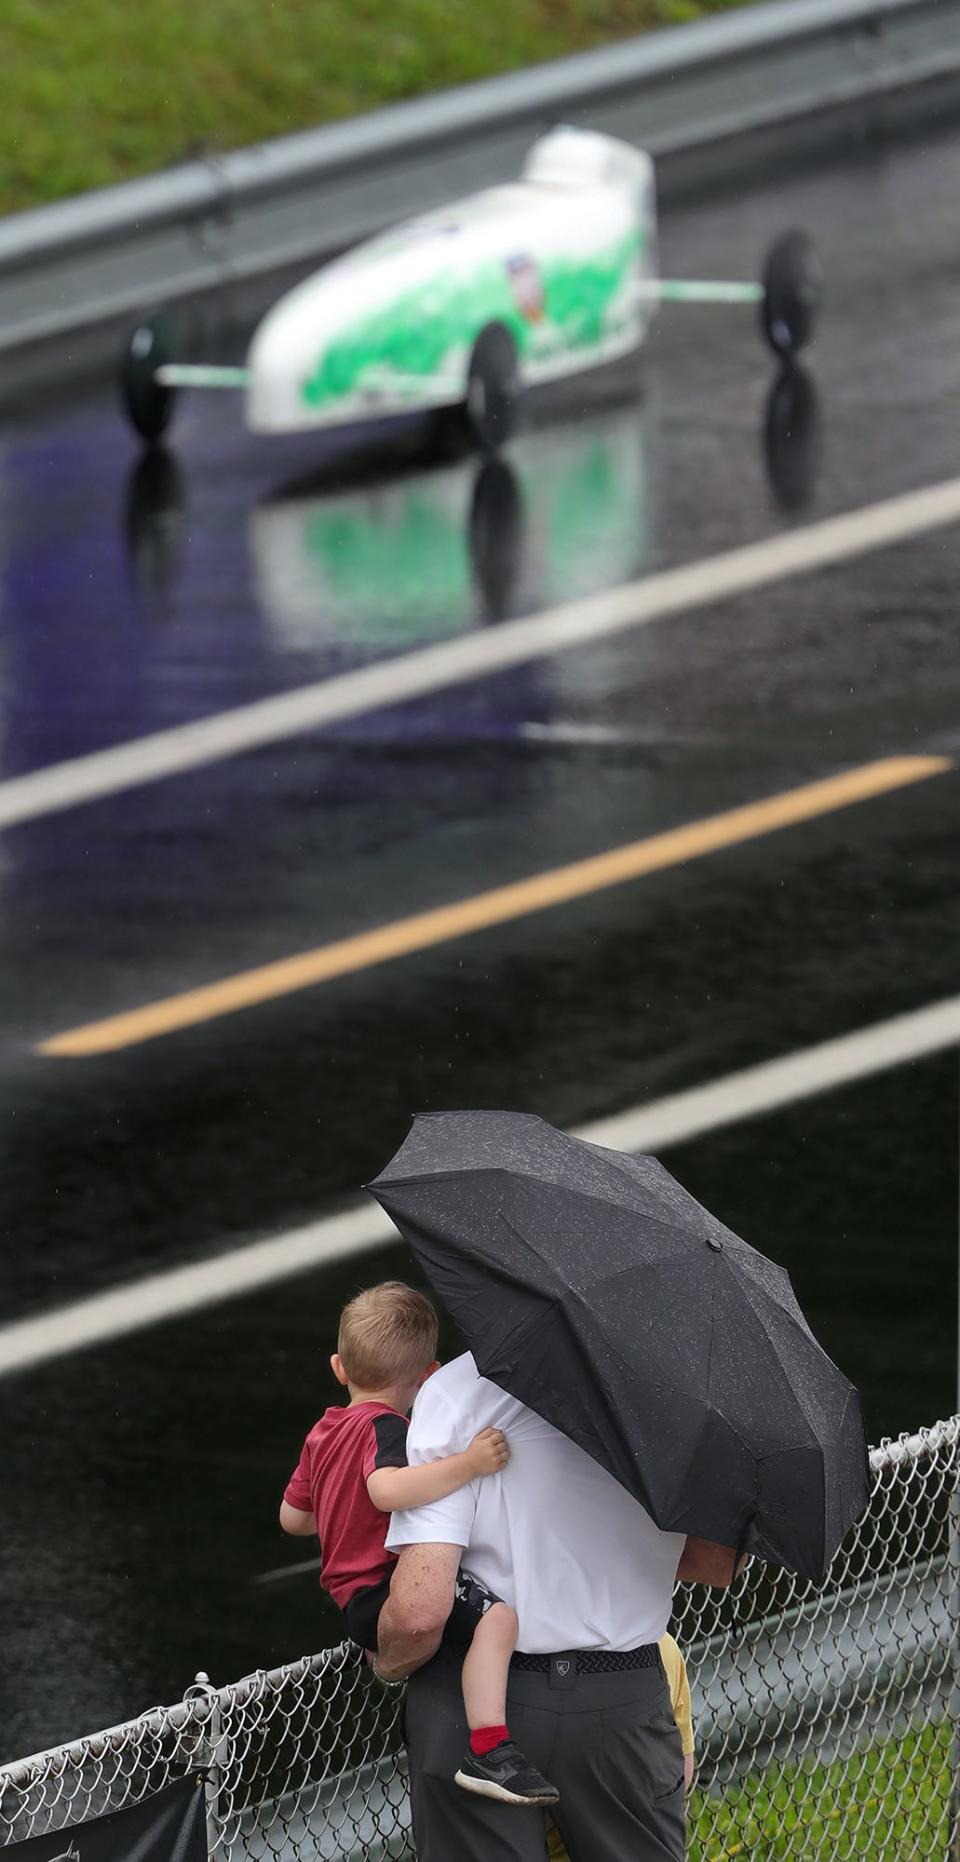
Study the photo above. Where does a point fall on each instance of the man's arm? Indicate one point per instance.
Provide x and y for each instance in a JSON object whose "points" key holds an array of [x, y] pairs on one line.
{"points": [[392, 1490], [703, 1562], [429, 1540], [420, 1600]]}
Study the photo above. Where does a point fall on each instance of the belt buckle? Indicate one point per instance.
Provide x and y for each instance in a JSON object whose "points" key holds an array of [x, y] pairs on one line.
{"points": [[564, 1669]]}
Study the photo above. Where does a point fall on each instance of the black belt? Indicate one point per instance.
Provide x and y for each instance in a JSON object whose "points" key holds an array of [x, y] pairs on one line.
{"points": [[592, 1661]]}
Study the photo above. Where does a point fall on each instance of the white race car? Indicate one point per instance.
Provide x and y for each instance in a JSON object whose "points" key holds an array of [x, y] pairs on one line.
{"points": [[459, 311]]}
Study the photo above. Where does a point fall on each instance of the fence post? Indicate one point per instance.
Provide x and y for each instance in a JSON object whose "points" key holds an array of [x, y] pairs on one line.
{"points": [[211, 1755], [953, 1617]]}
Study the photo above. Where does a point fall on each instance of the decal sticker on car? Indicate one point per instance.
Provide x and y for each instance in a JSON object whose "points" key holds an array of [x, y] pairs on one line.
{"points": [[527, 286]]}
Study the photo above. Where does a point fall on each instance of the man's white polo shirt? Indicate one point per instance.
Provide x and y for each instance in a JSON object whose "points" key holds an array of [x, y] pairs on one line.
{"points": [[555, 1535]]}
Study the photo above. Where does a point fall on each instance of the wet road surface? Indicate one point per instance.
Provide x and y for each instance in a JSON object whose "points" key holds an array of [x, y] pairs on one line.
{"points": [[141, 1479]]}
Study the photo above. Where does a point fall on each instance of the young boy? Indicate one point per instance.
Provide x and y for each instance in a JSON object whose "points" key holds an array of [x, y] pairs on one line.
{"points": [[353, 1473], [675, 1669]]}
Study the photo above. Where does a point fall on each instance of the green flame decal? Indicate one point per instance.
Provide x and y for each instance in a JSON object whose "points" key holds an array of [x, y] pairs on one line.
{"points": [[430, 328]]}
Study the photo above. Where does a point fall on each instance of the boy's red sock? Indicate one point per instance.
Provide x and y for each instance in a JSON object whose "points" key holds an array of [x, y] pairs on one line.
{"points": [[485, 1738]]}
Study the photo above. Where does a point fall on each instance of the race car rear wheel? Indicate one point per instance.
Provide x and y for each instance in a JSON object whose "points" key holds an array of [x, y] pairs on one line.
{"points": [[492, 400], [792, 292], [149, 406]]}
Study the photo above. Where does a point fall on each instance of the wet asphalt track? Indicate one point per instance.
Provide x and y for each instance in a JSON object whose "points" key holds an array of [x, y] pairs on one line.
{"points": [[140, 1480]]}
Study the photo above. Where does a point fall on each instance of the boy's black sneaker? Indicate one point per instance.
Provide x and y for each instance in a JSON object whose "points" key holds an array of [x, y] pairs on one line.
{"points": [[504, 1773]]}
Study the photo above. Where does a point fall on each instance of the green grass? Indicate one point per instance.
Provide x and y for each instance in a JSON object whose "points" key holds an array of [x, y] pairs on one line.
{"points": [[888, 1804], [96, 91]]}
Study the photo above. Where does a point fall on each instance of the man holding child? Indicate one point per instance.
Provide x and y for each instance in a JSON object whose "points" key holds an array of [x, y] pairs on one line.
{"points": [[553, 1585]]}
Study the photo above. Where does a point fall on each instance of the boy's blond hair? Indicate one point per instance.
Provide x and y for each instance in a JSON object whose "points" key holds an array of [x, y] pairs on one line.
{"points": [[387, 1335]]}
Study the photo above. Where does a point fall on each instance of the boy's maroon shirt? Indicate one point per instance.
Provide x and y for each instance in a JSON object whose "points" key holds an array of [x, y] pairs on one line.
{"points": [[330, 1481]]}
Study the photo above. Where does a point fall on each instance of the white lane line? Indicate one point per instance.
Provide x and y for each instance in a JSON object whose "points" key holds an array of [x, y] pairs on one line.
{"points": [[783, 1082], [413, 675], [682, 1116], [180, 1290]]}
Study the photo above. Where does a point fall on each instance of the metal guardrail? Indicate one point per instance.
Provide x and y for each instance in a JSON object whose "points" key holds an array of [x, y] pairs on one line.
{"points": [[693, 95]]}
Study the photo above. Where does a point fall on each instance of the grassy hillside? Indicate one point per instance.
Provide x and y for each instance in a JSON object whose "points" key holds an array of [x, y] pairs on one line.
{"points": [[891, 1801], [95, 91]]}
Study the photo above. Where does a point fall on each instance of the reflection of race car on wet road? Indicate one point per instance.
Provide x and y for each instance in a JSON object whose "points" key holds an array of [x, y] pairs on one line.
{"points": [[417, 557], [457, 312]]}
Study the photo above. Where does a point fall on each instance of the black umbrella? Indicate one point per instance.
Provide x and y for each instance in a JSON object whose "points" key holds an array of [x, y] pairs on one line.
{"points": [[592, 1287]]}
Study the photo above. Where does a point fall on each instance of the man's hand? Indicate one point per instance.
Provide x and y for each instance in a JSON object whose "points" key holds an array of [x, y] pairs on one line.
{"points": [[487, 1453], [703, 1562], [393, 1490]]}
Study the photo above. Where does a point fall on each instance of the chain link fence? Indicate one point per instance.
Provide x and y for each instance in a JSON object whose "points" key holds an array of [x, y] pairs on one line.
{"points": [[825, 1718]]}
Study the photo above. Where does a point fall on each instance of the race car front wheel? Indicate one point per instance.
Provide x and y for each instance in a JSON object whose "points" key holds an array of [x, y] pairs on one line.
{"points": [[492, 401], [792, 291], [149, 406]]}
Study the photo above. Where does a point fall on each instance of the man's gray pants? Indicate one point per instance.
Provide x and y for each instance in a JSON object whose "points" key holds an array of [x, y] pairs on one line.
{"points": [[609, 1742]]}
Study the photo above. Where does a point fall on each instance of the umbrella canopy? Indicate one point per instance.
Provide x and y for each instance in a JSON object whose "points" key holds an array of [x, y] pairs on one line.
{"points": [[591, 1286]]}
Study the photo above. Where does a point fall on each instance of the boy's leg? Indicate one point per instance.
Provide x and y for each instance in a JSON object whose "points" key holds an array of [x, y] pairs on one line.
{"points": [[485, 1667], [493, 1766]]}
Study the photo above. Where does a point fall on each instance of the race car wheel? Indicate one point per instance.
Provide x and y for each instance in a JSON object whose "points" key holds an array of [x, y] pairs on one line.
{"points": [[792, 291], [493, 388], [148, 405]]}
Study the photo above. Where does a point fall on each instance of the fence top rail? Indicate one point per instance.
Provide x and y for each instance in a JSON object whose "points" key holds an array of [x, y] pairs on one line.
{"points": [[195, 1712], [894, 1451]]}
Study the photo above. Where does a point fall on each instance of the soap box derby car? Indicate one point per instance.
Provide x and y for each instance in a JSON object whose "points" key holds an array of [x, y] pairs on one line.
{"points": [[459, 311]]}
